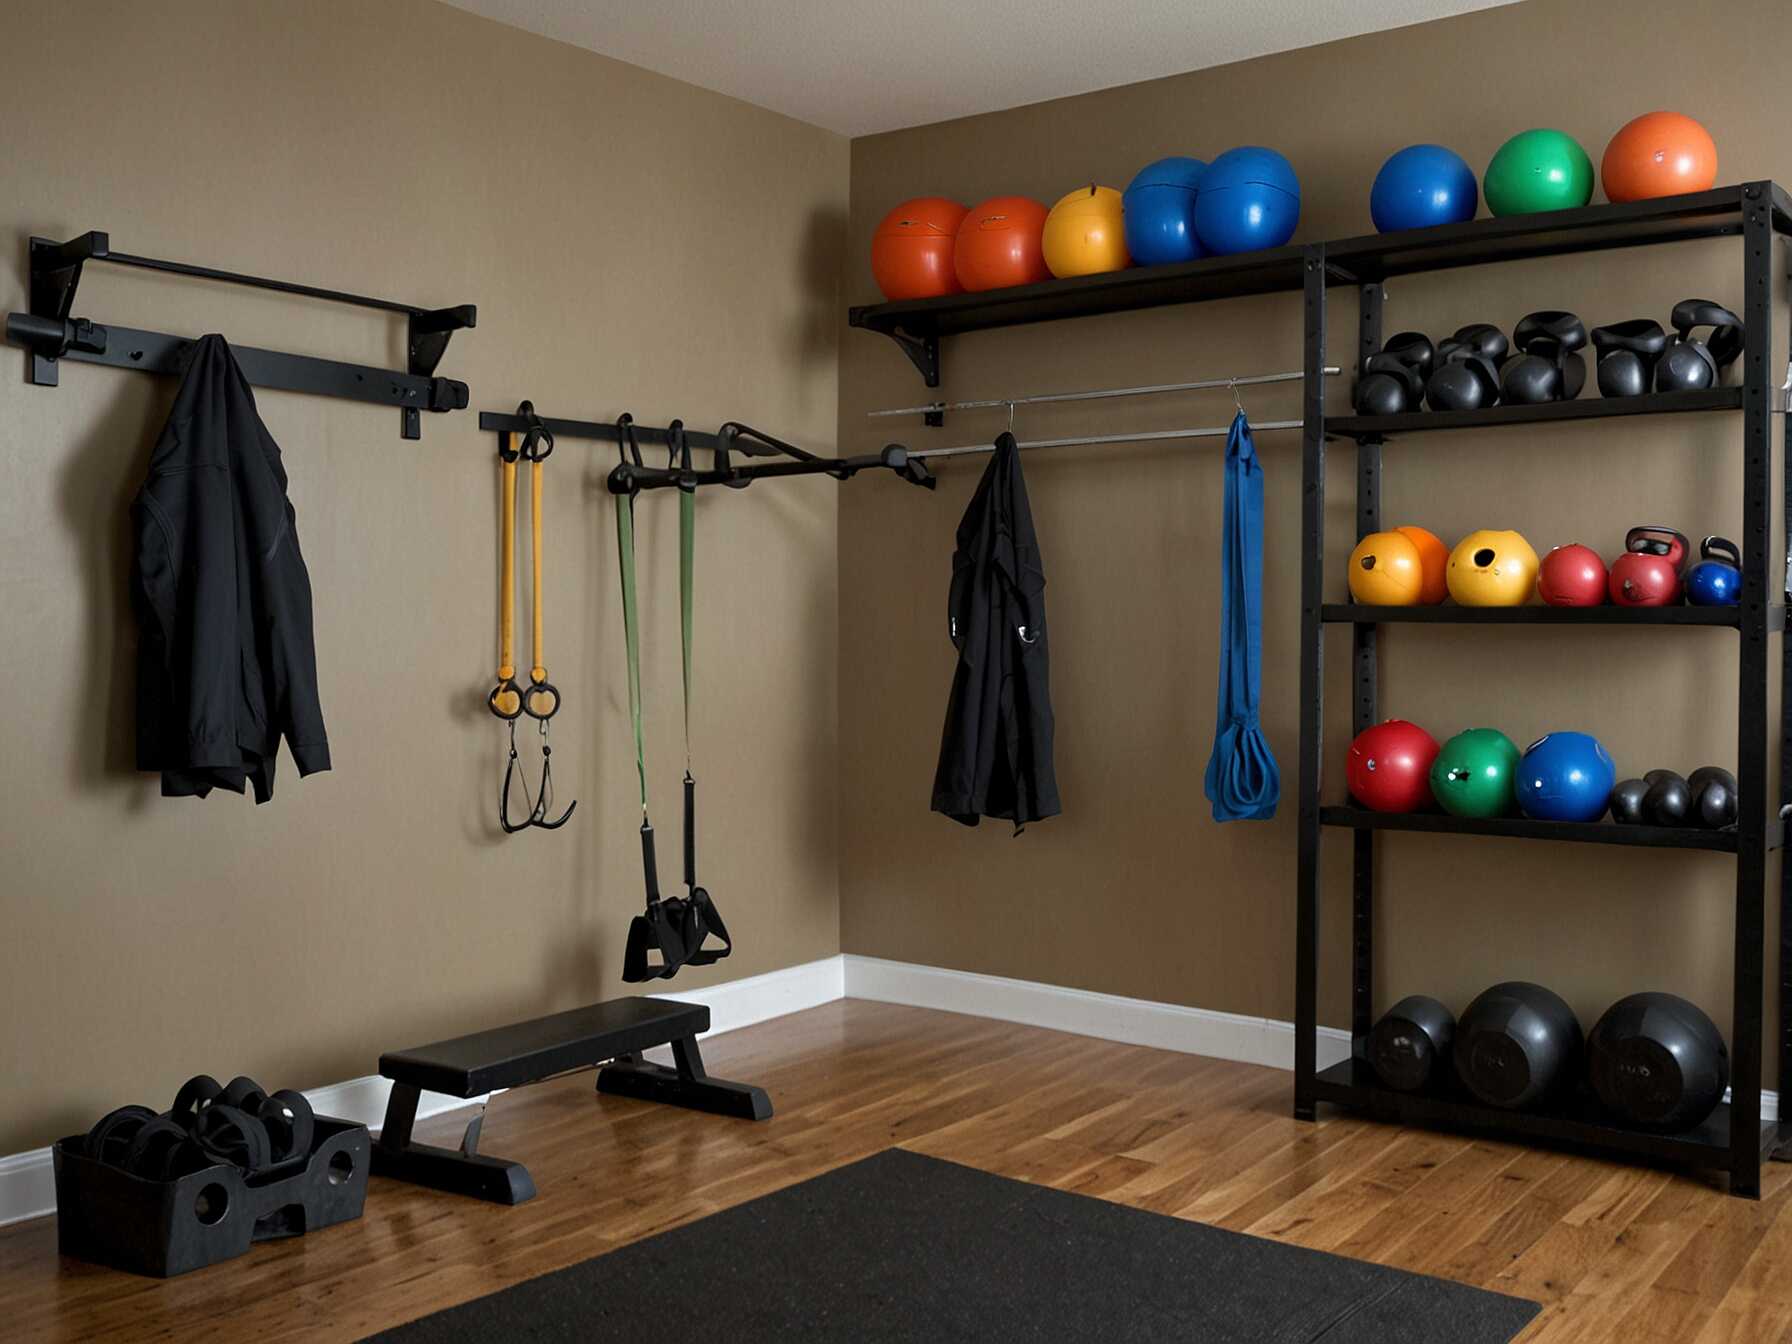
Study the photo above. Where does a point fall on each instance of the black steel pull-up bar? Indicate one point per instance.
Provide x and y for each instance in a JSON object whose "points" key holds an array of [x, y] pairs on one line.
{"points": [[627, 478], [51, 333]]}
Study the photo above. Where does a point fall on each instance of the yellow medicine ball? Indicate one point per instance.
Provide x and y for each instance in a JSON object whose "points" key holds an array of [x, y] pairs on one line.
{"points": [[1386, 571], [1084, 233], [1493, 569]]}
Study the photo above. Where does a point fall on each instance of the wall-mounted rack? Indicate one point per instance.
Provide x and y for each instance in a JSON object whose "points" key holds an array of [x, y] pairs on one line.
{"points": [[733, 438], [51, 333]]}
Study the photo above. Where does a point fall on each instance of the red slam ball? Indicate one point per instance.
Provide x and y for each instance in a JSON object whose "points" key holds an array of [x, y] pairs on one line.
{"points": [[1572, 576], [1389, 767]]}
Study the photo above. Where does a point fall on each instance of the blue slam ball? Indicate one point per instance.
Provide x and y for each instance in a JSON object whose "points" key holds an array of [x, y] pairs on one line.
{"points": [[1423, 185], [1249, 199], [1159, 207], [1565, 777]]}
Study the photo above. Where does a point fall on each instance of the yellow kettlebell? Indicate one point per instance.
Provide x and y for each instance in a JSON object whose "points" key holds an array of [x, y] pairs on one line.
{"points": [[1386, 570], [1493, 569], [1084, 233]]}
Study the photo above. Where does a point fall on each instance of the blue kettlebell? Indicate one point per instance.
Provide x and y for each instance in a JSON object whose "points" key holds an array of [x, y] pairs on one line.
{"points": [[1716, 581]]}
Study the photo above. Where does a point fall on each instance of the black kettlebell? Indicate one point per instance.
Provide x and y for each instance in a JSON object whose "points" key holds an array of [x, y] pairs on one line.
{"points": [[1409, 1040], [1626, 353], [1713, 791], [1549, 366], [1688, 365], [1627, 801], [1393, 380], [1668, 800], [1466, 372]]}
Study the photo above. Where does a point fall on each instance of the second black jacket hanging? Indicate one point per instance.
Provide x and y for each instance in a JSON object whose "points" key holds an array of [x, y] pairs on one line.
{"points": [[996, 752]]}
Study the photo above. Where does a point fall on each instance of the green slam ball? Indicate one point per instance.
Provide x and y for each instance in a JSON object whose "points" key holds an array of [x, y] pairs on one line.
{"points": [[1536, 171], [1474, 774]]}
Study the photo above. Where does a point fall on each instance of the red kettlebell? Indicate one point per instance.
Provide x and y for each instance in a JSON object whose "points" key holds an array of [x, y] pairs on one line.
{"points": [[1389, 767], [1648, 573], [1572, 576]]}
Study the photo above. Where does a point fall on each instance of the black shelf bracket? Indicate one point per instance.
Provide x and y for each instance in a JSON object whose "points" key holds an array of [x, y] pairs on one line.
{"points": [[50, 332], [924, 353]]}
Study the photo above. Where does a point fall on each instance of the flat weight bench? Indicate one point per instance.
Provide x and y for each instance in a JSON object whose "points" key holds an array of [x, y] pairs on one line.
{"points": [[613, 1033]]}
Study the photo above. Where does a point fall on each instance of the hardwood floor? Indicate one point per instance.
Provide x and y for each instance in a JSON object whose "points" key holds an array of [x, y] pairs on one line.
{"points": [[1614, 1252]]}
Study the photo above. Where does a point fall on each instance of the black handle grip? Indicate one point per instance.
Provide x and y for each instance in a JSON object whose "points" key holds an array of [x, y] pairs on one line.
{"points": [[650, 864], [690, 831], [1721, 548]]}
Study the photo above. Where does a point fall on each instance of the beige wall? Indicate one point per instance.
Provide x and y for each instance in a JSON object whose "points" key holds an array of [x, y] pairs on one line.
{"points": [[632, 243], [1135, 890]]}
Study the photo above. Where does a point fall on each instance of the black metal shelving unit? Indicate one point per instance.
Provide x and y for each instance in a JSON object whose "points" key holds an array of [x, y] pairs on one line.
{"points": [[1734, 1138]]}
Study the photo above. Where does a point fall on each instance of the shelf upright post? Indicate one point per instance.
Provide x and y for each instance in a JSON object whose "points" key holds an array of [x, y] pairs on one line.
{"points": [[1312, 686], [1751, 702], [1783, 550], [1365, 698]]}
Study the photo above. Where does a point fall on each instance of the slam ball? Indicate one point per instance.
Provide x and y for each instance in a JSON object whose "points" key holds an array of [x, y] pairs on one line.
{"points": [[1538, 170], [1565, 777], [1516, 1043], [1085, 234], [1491, 568], [911, 253], [1658, 1061], [1385, 570], [1420, 186], [1658, 154], [1475, 774], [1409, 1040], [1249, 199], [1388, 767], [1001, 243], [1159, 209]]}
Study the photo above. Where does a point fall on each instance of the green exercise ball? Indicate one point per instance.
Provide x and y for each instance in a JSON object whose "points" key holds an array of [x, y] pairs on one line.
{"points": [[1474, 774], [1536, 171]]}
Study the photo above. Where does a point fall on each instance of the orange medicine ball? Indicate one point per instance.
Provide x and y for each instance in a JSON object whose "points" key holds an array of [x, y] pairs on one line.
{"points": [[1001, 243], [911, 253], [1658, 154], [1434, 564]]}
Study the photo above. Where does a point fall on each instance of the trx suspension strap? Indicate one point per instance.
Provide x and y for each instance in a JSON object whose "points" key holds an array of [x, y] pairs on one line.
{"points": [[1242, 783], [676, 927], [541, 699]]}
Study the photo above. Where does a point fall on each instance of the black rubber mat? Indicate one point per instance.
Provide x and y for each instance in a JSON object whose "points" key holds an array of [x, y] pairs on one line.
{"points": [[905, 1247]]}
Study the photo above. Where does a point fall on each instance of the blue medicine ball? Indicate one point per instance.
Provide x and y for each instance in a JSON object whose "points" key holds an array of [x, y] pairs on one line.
{"points": [[1159, 206], [1249, 199], [1423, 185], [1565, 777]]}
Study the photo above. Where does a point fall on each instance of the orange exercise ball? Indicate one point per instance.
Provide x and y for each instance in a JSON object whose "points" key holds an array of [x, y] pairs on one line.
{"points": [[1001, 243], [911, 253], [1658, 154], [1434, 564], [1085, 234]]}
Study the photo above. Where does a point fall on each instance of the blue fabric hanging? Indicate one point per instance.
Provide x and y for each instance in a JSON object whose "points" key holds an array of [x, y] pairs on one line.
{"points": [[1242, 783]]}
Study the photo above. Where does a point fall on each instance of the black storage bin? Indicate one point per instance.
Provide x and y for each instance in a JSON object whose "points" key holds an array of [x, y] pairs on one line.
{"points": [[163, 1228]]}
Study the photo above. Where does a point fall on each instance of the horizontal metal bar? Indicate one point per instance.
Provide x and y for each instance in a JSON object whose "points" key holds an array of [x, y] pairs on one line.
{"points": [[1151, 436], [158, 352], [1206, 384], [260, 282]]}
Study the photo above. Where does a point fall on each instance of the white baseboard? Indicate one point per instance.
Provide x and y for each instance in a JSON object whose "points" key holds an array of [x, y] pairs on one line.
{"points": [[1164, 1026], [27, 1185]]}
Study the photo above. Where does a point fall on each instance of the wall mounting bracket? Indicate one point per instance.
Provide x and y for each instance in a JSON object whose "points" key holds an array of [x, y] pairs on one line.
{"points": [[50, 332]]}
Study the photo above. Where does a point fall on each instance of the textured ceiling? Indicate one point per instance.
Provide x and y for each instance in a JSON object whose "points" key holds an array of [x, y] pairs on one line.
{"points": [[860, 68]]}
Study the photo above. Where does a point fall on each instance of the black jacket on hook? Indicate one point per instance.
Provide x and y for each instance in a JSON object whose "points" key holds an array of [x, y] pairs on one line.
{"points": [[226, 665], [996, 752]]}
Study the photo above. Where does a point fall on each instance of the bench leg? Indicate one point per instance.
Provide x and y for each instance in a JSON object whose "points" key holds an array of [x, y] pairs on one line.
{"points": [[686, 1084], [459, 1171]]}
